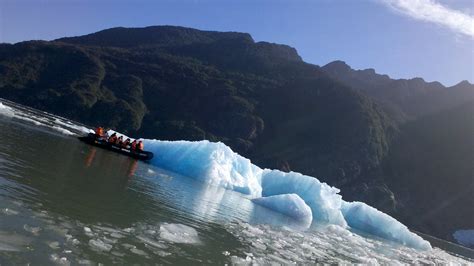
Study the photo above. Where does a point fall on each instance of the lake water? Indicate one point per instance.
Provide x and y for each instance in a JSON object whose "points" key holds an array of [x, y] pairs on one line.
{"points": [[65, 202]]}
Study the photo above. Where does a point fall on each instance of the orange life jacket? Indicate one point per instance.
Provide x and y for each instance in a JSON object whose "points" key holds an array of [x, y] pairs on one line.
{"points": [[99, 131], [112, 139], [133, 146], [140, 146]]}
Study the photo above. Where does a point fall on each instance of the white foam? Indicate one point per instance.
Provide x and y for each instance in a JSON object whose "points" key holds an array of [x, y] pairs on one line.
{"points": [[6, 111], [67, 124], [56, 124], [63, 131]]}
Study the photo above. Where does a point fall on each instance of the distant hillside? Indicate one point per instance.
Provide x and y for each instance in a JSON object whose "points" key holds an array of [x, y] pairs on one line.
{"points": [[166, 82], [179, 83], [430, 167], [403, 98]]}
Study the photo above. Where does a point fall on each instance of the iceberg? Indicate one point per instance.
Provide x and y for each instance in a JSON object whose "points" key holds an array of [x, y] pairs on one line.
{"points": [[370, 220], [465, 237], [324, 200], [210, 162], [292, 194]]}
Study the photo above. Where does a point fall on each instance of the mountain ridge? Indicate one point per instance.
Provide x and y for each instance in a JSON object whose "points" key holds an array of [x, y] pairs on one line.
{"points": [[405, 98]]}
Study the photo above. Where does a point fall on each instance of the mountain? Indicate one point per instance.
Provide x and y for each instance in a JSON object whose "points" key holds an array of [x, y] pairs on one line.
{"points": [[430, 166], [180, 83], [403, 98], [340, 125]]}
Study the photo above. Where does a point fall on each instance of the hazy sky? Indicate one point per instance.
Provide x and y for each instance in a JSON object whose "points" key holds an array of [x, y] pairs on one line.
{"points": [[432, 39]]}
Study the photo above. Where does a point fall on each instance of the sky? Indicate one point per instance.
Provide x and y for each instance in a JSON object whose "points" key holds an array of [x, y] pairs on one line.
{"points": [[432, 39]]}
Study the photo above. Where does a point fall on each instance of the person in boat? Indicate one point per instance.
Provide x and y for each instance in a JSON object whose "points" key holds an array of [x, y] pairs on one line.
{"points": [[133, 145], [113, 138], [126, 143], [99, 132], [119, 141], [140, 146]]}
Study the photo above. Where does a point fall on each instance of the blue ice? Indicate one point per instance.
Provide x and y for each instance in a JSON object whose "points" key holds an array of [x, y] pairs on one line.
{"points": [[292, 194], [291, 205]]}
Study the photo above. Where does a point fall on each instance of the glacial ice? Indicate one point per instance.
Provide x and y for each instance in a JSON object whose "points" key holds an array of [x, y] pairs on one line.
{"points": [[323, 199], [216, 164], [370, 220], [289, 204], [209, 162], [465, 237]]}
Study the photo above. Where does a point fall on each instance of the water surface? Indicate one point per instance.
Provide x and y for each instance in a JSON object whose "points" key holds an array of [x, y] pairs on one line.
{"points": [[65, 202]]}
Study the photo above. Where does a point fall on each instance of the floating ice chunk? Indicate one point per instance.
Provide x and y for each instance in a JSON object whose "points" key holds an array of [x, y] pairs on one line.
{"points": [[99, 245], [116, 235], [465, 237], [162, 253], [109, 240], [59, 260], [84, 262], [118, 254], [323, 199], [138, 252], [368, 219], [128, 246], [34, 230], [179, 233], [88, 231], [289, 204], [129, 230], [54, 245], [210, 162]]}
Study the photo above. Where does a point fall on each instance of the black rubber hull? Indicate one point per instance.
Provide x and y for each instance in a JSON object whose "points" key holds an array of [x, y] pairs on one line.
{"points": [[142, 155]]}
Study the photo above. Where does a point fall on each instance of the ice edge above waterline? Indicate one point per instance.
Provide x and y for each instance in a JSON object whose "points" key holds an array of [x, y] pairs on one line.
{"points": [[216, 164]]}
